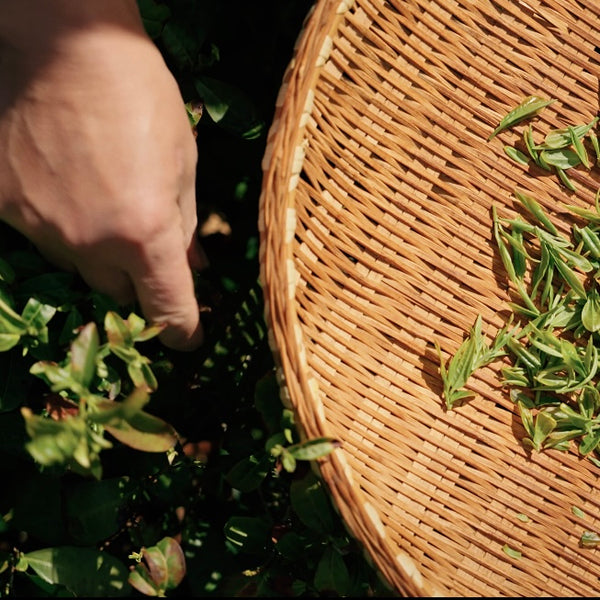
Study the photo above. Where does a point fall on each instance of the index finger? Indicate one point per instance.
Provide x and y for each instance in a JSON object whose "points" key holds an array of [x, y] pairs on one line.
{"points": [[164, 286]]}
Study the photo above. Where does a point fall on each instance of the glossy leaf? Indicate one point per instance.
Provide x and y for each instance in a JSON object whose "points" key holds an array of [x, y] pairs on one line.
{"points": [[139, 429], [83, 355]]}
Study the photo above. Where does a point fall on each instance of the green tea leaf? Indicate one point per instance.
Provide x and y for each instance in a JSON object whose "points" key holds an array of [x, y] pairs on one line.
{"points": [[248, 534], [589, 442], [8, 341], [313, 449], [594, 139], [579, 147], [516, 155], [565, 179], [511, 551], [589, 539], [332, 573], [536, 210], [563, 158], [249, 473], [563, 138], [529, 107], [590, 313], [83, 355], [83, 571], [544, 425]]}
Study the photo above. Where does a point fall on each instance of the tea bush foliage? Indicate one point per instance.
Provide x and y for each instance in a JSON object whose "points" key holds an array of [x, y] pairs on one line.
{"points": [[128, 469]]}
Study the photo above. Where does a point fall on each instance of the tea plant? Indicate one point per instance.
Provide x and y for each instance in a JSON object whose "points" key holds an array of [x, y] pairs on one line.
{"points": [[128, 469]]}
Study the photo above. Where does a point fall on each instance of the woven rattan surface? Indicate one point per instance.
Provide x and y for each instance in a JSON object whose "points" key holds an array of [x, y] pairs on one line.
{"points": [[376, 241]]}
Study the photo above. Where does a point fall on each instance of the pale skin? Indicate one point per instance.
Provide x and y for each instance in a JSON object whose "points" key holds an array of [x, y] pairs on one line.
{"points": [[97, 156]]}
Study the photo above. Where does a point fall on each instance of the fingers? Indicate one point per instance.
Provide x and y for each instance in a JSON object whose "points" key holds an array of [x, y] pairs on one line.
{"points": [[196, 256], [110, 281], [164, 286]]}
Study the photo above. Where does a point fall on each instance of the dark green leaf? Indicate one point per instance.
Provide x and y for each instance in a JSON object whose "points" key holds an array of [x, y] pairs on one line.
{"points": [[332, 575], [312, 504], [154, 15], [249, 473], [83, 571], [229, 107], [93, 508], [248, 534]]}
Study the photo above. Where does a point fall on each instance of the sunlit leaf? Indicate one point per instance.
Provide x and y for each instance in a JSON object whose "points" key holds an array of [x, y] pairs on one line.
{"points": [[511, 551], [527, 108], [590, 313], [313, 449], [83, 571], [116, 329], [590, 539], [83, 355]]}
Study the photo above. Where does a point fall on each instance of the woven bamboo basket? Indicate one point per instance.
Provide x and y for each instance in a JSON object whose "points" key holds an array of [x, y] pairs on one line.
{"points": [[377, 242]]}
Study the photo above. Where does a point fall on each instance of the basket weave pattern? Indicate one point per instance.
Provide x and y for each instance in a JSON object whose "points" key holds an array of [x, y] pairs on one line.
{"points": [[376, 241]]}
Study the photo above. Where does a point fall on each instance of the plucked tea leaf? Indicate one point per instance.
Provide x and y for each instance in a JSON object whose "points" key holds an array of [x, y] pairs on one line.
{"points": [[563, 158], [516, 155], [589, 539], [590, 313], [313, 449], [529, 107], [511, 551]]}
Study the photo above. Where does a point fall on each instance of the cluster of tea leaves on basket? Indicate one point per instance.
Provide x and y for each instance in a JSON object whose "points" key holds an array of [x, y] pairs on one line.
{"points": [[128, 469], [553, 377]]}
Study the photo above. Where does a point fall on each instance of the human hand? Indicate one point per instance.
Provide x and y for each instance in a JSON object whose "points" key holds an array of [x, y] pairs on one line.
{"points": [[97, 156]]}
